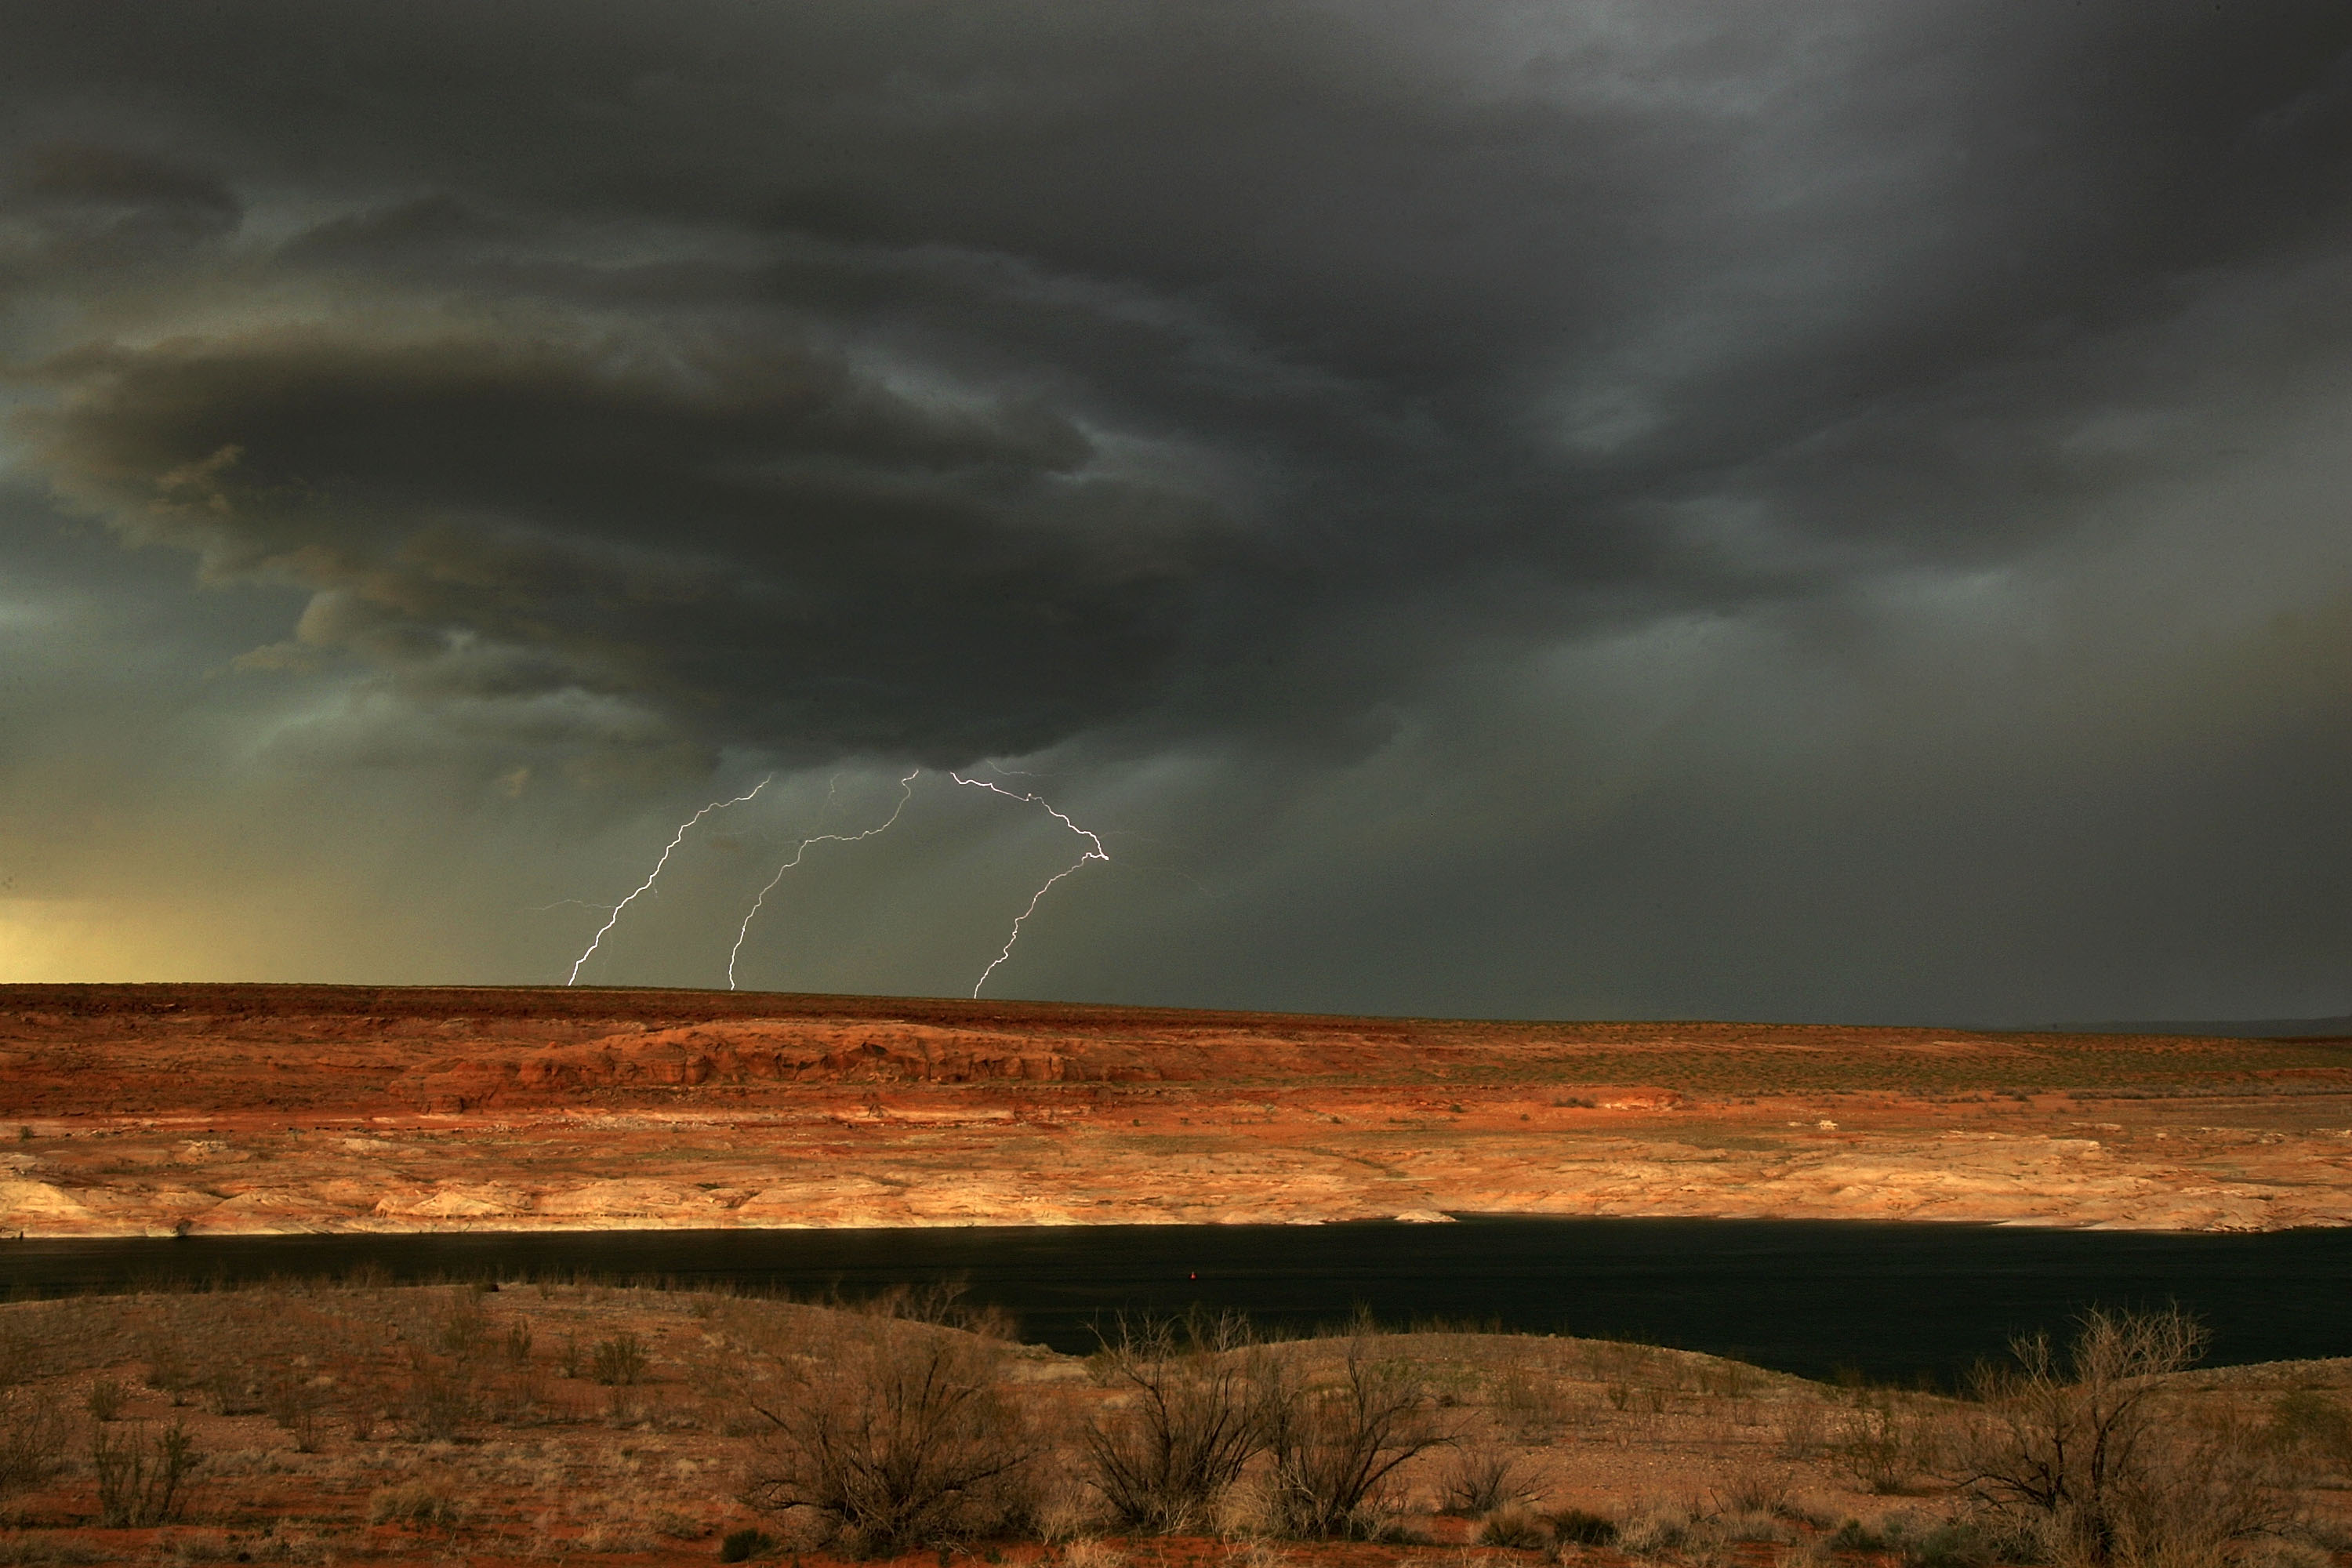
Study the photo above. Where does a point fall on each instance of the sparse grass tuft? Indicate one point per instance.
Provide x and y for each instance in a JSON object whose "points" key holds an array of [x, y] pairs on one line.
{"points": [[415, 1502], [1485, 1479], [743, 1545], [1575, 1527], [1516, 1527]]}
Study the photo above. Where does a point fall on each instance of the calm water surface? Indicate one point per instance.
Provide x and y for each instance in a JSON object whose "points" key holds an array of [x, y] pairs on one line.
{"points": [[1891, 1301]]}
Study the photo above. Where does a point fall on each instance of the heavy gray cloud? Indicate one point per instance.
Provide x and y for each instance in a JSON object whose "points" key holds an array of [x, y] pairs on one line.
{"points": [[1445, 472]]}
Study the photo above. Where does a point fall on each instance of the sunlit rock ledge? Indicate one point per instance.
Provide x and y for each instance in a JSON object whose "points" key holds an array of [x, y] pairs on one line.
{"points": [[261, 1111]]}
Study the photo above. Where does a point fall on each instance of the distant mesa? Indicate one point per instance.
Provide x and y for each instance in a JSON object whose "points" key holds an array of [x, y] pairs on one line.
{"points": [[2220, 1028]]}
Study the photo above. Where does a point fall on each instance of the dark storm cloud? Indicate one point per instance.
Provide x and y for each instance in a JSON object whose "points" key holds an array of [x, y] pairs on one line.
{"points": [[742, 523], [1239, 328], [74, 209], [1284, 383]]}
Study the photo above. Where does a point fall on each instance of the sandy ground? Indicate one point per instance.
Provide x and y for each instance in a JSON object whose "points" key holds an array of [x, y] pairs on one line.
{"points": [[140, 1111]]}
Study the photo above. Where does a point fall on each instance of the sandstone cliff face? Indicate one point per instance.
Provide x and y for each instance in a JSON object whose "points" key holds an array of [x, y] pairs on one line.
{"points": [[766, 1052]]}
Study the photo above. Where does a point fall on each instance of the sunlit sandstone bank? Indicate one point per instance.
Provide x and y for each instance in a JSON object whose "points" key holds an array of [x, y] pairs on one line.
{"points": [[223, 1109]]}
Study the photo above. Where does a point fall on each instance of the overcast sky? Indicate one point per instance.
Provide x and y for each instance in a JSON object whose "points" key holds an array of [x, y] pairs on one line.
{"points": [[1780, 510]]}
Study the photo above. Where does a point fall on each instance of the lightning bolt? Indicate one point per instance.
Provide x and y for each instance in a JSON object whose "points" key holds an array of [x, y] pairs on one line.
{"points": [[905, 794], [1034, 899], [676, 839]]}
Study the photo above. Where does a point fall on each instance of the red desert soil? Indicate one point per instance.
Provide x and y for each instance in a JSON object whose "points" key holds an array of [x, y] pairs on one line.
{"points": [[146, 1110]]}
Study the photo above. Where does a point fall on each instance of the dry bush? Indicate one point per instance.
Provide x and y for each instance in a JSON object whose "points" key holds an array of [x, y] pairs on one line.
{"points": [[461, 1328], [32, 1438], [1529, 1396], [168, 1368], [2204, 1494], [2308, 1427], [1883, 1444], [2084, 1452], [1754, 1488], [1335, 1442], [1483, 1477], [104, 1400], [618, 1360], [893, 1434], [1199, 1407], [292, 1397], [142, 1481], [1802, 1427], [1089, 1553], [1724, 1379], [441, 1397]]}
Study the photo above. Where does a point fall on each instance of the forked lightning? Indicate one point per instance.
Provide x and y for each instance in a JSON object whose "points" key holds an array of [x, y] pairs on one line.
{"points": [[905, 794], [1096, 853], [676, 839]]}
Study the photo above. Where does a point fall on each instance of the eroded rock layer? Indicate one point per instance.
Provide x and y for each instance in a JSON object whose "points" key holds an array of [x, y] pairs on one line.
{"points": [[154, 1109]]}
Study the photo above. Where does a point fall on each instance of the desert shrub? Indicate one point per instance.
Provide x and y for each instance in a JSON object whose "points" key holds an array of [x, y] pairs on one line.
{"points": [[2081, 1450], [292, 1397], [1087, 1552], [618, 1360], [1756, 1525], [1201, 1408], [1881, 1446], [1659, 1529], [1802, 1429], [463, 1326], [1482, 1478], [1856, 1536], [1575, 1527], [518, 1342], [104, 1400], [1334, 1444], [1529, 1396], [142, 1481], [743, 1545], [1754, 1488], [1725, 1379], [229, 1388], [1514, 1527], [440, 1399], [2204, 1493], [413, 1502], [1953, 1543], [32, 1438], [169, 1369], [367, 1276], [2309, 1426], [893, 1434]]}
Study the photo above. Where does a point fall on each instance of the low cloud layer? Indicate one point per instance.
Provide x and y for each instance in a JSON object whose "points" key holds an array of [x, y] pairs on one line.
{"points": [[1819, 511]]}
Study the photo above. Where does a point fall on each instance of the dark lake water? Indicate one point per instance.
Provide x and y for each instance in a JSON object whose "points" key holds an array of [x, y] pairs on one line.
{"points": [[1893, 1301]]}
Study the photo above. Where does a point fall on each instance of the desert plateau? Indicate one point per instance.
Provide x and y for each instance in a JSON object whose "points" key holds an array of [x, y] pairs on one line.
{"points": [[227, 1110]]}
